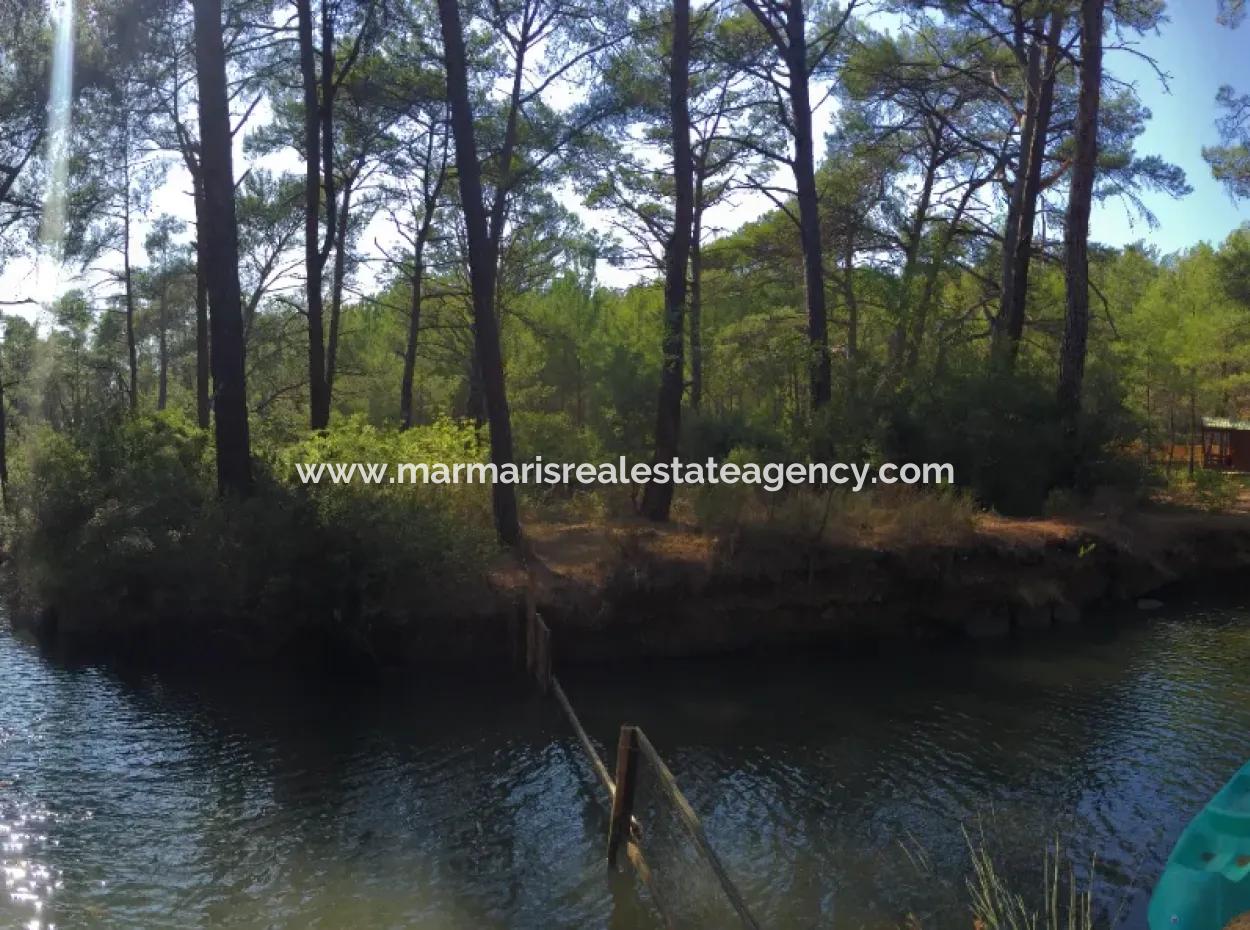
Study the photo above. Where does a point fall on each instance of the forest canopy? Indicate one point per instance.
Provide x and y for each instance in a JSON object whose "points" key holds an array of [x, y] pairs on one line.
{"points": [[367, 226]]}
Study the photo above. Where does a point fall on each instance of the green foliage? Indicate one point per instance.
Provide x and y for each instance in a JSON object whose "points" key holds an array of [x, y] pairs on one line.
{"points": [[1215, 491], [554, 438], [1063, 905], [721, 507], [101, 523], [118, 517], [1230, 162], [990, 428], [388, 550], [720, 435], [124, 533]]}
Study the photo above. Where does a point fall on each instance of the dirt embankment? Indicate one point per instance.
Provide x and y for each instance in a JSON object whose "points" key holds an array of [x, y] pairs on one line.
{"points": [[630, 589]]}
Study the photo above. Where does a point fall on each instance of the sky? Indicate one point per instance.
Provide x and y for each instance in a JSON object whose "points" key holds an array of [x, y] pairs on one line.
{"points": [[1196, 53], [1199, 55]]}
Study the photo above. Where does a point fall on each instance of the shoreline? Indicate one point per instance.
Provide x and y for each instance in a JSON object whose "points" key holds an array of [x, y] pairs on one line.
{"points": [[628, 590], [675, 593]]}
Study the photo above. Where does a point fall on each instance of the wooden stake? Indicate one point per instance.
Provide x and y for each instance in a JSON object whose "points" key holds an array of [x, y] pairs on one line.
{"points": [[623, 799], [542, 654]]}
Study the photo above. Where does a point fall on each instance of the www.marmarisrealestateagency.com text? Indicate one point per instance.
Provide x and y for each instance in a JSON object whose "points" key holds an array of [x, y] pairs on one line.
{"points": [[771, 476]]}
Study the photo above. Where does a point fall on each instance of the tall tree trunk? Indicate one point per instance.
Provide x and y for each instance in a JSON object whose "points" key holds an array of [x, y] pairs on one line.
{"points": [[132, 350], [904, 306], [336, 288], [475, 396], [852, 315], [1080, 198], [483, 270], [201, 316], [657, 499], [696, 300], [201, 340], [4, 448], [431, 191], [162, 381], [1022, 215], [220, 236], [414, 330], [1033, 180], [314, 257], [201, 310], [1002, 353], [920, 316], [1193, 418], [821, 370]]}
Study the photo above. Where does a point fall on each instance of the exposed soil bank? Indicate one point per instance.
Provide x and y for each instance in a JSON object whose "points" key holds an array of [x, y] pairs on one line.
{"points": [[631, 590], [640, 591]]}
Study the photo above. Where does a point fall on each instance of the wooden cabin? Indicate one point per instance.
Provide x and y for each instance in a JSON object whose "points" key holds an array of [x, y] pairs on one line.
{"points": [[1226, 444]]}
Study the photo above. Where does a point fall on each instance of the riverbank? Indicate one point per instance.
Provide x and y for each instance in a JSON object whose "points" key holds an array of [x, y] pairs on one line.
{"points": [[631, 590], [626, 589]]}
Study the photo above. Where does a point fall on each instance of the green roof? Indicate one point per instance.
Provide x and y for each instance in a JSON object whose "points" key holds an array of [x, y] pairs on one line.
{"points": [[1237, 426]]}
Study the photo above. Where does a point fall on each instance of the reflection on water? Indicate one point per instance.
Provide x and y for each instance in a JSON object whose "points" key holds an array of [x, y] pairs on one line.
{"points": [[27, 880], [173, 804], [835, 790]]}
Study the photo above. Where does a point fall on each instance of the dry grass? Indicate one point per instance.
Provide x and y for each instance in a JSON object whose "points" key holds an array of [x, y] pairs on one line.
{"points": [[587, 539], [879, 518], [1212, 491], [996, 905]]}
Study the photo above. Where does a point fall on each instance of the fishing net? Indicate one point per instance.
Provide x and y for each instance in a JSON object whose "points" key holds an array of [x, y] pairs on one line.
{"points": [[684, 881]]}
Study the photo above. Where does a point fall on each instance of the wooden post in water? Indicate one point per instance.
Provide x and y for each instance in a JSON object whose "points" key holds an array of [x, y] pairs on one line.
{"points": [[531, 627], [542, 654], [623, 799], [537, 640], [517, 632]]}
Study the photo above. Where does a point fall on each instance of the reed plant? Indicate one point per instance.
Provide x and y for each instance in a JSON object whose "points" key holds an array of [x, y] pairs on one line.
{"points": [[1065, 903]]}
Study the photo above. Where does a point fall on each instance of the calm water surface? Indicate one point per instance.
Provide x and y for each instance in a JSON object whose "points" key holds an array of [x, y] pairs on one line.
{"points": [[837, 791]]}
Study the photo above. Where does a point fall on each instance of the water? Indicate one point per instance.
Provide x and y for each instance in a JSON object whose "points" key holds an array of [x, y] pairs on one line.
{"points": [[835, 790]]}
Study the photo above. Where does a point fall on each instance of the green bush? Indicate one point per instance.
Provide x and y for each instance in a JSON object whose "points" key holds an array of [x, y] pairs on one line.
{"points": [[98, 520], [721, 507], [1213, 490], [717, 435], [123, 532], [1002, 436], [555, 439], [392, 547]]}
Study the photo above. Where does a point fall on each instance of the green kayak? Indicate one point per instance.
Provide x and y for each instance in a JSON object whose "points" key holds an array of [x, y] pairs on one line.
{"points": [[1206, 882]]}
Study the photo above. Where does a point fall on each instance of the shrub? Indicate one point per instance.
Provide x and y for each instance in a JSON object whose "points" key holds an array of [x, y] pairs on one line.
{"points": [[1063, 905], [722, 507], [555, 437], [97, 521], [1002, 435], [713, 435], [123, 532], [925, 516], [392, 547], [1212, 490], [1062, 502]]}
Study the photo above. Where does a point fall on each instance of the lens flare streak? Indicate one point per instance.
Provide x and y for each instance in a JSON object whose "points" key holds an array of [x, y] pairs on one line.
{"points": [[60, 118]]}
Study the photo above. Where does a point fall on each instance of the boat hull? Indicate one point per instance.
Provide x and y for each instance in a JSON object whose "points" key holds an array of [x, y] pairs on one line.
{"points": [[1206, 882]]}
